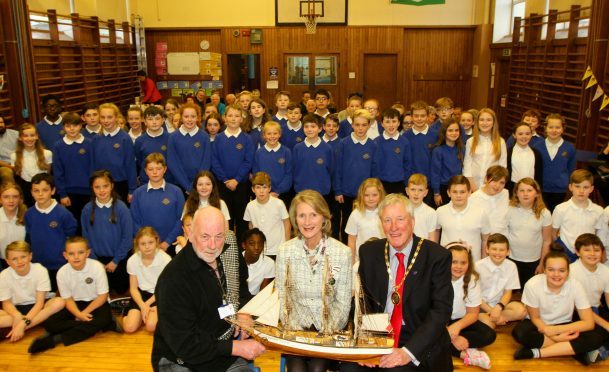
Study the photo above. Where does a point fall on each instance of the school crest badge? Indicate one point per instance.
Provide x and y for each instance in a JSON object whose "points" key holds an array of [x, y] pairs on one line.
{"points": [[89, 280], [298, 139], [165, 201], [62, 132], [163, 148], [397, 150], [197, 144], [82, 151], [320, 161], [430, 146], [239, 147], [564, 154], [281, 160], [117, 146], [53, 224], [366, 156]]}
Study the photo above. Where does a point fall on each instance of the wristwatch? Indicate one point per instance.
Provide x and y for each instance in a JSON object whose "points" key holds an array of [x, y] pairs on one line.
{"points": [[26, 321]]}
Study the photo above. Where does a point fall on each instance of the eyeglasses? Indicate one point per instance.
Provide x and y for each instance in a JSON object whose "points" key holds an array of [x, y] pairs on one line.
{"points": [[371, 108], [321, 98]]}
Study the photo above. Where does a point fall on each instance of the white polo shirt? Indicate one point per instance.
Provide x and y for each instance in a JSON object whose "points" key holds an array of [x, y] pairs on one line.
{"points": [[8, 144], [83, 285], [268, 218], [495, 206], [554, 308], [574, 221], [9, 231], [223, 208], [496, 279], [364, 226], [525, 233], [595, 283], [471, 300], [466, 226], [30, 163], [523, 163], [21, 290], [262, 269], [425, 220], [147, 276]]}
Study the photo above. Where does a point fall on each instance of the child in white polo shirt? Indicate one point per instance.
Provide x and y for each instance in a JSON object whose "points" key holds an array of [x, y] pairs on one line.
{"points": [[550, 299], [83, 285], [268, 213], [23, 287], [461, 221], [144, 268], [498, 277], [425, 217], [578, 215], [260, 268], [494, 198]]}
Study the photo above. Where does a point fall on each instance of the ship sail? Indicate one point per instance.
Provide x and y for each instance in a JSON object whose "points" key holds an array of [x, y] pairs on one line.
{"points": [[260, 303]]}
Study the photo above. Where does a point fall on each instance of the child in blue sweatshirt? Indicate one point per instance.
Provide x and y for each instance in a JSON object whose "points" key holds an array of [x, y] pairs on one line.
{"points": [[158, 203], [392, 161], [48, 224], [49, 128], [282, 101], [108, 227], [292, 132], [446, 160], [354, 159], [73, 165], [232, 160], [113, 150], [274, 159], [154, 139], [188, 148]]}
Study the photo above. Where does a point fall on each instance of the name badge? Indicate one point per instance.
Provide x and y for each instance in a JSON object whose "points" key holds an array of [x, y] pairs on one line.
{"points": [[226, 310]]}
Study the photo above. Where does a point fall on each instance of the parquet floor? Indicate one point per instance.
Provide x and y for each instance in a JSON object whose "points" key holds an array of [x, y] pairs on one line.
{"points": [[115, 352]]}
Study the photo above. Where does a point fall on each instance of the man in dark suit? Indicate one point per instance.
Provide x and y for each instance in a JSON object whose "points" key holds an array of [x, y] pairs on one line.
{"points": [[420, 286]]}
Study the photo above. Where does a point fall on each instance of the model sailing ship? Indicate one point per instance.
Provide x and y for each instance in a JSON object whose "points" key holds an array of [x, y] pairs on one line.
{"points": [[367, 340]]}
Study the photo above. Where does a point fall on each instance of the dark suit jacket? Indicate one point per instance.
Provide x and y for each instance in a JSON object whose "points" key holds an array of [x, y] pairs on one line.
{"points": [[538, 165], [427, 296]]}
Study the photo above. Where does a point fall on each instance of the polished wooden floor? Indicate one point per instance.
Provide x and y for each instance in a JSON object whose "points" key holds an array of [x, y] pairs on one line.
{"points": [[115, 352]]}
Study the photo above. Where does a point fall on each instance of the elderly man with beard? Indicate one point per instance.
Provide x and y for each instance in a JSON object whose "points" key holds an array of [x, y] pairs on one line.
{"points": [[198, 288], [8, 144]]}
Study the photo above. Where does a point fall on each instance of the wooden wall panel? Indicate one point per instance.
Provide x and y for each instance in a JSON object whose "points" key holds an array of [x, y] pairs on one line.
{"points": [[446, 54], [6, 110]]}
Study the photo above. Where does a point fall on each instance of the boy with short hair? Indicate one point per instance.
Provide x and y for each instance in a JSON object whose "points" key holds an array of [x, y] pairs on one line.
{"points": [[322, 101], [275, 160], [331, 129], [312, 160], [49, 129], [282, 101], [268, 213], [577, 215], [462, 221], [48, 225], [425, 217], [355, 102], [375, 129], [292, 132], [84, 287], [533, 118], [498, 277], [73, 165], [421, 138], [158, 203], [90, 116], [155, 139], [445, 109], [392, 163], [494, 198]]}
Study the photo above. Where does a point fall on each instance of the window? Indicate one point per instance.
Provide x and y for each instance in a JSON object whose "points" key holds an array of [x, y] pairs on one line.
{"points": [[64, 26], [40, 27], [325, 70], [104, 35], [298, 70]]}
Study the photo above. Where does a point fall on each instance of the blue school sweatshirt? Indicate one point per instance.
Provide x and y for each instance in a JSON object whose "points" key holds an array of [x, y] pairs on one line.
{"points": [[313, 167], [290, 138], [108, 239], [159, 208], [535, 140], [278, 164], [50, 134], [556, 172], [445, 164], [115, 153], [187, 155], [72, 167], [146, 145], [392, 161], [47, 234], [421, 145], [232, 157], [353, 165], [256, 136]]}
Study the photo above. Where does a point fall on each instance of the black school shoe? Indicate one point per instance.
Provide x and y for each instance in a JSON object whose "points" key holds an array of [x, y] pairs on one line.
{"points": [[42, 343]]}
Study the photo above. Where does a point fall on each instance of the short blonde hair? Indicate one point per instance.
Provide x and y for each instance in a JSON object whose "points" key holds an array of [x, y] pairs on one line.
{"points": [[362, 113], [318, 203], [271, 125], [18, 246]]}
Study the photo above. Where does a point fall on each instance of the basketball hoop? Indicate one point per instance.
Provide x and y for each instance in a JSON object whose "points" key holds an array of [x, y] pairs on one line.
{"points": [[311, 24]]}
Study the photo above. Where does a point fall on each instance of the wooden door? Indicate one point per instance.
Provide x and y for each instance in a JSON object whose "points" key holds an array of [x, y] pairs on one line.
{"points": [[311, 71], [380, 78]]}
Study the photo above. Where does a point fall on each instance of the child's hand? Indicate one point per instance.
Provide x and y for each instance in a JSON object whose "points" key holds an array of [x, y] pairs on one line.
{"points": [[17, 332], [66, 202], [84, 317], [453, 331], [231, 184], [495, 313], [565, 336], [539, 269], [437, 198], [164, 246], [339, 198], [129, 198], [275, 194], [111, 266], [145, 309], [460, 343], [181, 240]]}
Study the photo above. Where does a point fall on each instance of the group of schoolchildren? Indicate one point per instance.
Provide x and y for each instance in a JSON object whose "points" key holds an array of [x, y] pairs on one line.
{"points": [[498, 207]]}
